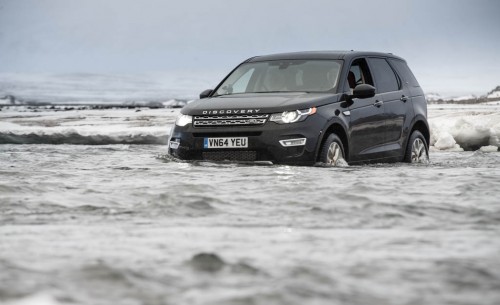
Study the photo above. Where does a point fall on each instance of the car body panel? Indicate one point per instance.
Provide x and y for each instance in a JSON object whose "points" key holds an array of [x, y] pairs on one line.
{"points": [[265, 102]]}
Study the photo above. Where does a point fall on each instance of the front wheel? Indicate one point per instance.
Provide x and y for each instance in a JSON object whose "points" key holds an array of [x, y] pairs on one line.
{"points": [[417, 150], [332, 151]]}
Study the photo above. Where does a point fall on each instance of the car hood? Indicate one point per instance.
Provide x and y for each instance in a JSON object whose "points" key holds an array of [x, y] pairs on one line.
{"points": [[252, 103]]}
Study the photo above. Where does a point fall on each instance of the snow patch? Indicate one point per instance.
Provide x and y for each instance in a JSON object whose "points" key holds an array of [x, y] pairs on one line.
{"points": [[442, 140], [464, 98], [494, 95], [464, 127], [489, 148]]}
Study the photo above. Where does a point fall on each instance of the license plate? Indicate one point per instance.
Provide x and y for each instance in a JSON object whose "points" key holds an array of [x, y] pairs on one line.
{"points": [[225, 142]]}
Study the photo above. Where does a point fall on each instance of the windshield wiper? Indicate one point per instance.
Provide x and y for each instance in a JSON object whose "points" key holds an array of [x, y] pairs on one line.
{"points": [[280, 92]]}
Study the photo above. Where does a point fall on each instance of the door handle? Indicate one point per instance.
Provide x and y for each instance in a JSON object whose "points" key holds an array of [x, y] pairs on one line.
{"points": [[378, 103], [404, 98]]}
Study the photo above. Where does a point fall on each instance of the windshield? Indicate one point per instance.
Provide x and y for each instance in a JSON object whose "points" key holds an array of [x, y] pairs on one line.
{"points": [[282, 76]]}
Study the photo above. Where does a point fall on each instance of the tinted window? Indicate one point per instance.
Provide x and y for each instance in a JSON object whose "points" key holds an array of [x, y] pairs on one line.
{"points": [[405, 72], [385, 79]]}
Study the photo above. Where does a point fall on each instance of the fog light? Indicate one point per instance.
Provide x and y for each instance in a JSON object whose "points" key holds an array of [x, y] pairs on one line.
{"points": [[174, 144], [293, 142]]}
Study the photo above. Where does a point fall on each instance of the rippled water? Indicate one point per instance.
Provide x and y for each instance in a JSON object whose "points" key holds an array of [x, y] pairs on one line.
{"points": [[120, 224]]}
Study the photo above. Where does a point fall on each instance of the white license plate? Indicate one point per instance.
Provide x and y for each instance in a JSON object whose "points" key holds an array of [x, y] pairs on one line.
{"points": [[225, 142]]}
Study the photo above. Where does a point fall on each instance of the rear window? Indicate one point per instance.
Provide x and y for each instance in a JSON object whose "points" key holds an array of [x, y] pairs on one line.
{"points": [[404, 72]]}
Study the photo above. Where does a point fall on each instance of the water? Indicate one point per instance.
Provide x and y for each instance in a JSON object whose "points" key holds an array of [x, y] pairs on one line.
{"points": [[122, 224]]}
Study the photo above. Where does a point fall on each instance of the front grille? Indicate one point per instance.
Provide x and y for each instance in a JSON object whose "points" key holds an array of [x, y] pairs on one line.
{"points": [[230, 120], [234, 155]]}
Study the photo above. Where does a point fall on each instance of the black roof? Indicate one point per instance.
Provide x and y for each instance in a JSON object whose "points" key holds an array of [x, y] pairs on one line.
{"points": [[321, 55]]}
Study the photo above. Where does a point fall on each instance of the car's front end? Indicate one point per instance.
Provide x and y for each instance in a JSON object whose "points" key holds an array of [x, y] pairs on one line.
{"points": [[255, 134], [274, 116]]}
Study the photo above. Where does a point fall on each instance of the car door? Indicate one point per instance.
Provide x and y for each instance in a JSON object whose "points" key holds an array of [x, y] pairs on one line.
{"points": [[367, 126], [396, 105]]}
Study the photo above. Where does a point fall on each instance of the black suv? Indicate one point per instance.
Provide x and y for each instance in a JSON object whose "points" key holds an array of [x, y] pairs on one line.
{"points": [[308, 107]]}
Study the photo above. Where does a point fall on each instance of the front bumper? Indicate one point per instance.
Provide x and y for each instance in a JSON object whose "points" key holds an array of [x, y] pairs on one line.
{"points": [[187, 143]]}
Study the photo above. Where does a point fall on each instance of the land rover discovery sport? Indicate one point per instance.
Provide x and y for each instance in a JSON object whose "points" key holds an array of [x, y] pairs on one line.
{"points": [[308, 107]]}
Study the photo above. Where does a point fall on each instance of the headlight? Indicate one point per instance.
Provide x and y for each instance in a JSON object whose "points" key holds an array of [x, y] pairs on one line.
{"points": [[292, 116], [183, 120]]}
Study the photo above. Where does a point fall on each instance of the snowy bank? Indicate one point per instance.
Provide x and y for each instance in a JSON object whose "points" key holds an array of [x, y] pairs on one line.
{"points": [[464, 127], [20, 125], [453, 127]]}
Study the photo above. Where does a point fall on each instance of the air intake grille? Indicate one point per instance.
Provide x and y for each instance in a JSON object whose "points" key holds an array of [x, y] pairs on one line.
{"points": [[230, 120], [241, 155]]}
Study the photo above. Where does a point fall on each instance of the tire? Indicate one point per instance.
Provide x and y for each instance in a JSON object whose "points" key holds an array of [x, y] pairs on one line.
{"points": [[417, 150], [332, 150]]}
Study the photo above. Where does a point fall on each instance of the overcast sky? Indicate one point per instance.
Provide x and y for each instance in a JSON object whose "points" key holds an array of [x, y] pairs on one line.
{"points": [[453, 46]]}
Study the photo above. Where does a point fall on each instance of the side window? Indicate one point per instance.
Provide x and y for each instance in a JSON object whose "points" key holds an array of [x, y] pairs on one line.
{"points": [[405, 72], [385, 78], [359, 74]]}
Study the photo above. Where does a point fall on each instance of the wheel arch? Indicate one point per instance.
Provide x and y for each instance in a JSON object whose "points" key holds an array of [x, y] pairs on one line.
{"points": [[339, 129], [421, 125]]}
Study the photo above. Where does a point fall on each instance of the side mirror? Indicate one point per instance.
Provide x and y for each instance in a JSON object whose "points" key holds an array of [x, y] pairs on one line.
{"points": [[205, 93], [363, 91]]}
